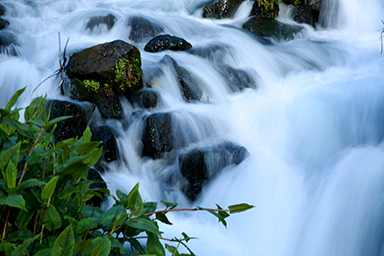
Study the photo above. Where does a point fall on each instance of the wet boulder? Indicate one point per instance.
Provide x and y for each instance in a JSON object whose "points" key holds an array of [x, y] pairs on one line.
{"points": [[108, 142], [158, 135], [189, 87], [316, 7], [116, 66], [81, 113], [8, 43], [200, 165], [215, 53], [221, 9], [2, 10], [265, 10], [108, 20], [3, 23], [271, 28], [143, 28], [167, 42], [147, 98], [108, 104], [236, 79], [303, 14]]}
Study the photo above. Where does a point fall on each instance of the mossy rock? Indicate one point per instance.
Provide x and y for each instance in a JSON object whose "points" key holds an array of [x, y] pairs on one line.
{"points": [[271, 28], [115, 66], [221, 9]]}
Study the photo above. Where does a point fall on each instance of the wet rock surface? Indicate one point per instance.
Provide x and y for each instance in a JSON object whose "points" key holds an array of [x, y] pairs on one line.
{"points": [[167, 42], [81, 113], [3, 24], [303, 14], [143, 28], [200, 165], [236, 79], [108, 20], [158, 135], [271, 28], [2, 10], [105, 135], [146, 99], [221, 9]]}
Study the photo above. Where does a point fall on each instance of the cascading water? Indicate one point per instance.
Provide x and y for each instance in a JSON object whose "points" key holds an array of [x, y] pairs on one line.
{"points": [[313, 128]]}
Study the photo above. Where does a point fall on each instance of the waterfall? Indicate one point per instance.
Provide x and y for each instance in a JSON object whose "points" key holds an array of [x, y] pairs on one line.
{"points": [[312, 123]]}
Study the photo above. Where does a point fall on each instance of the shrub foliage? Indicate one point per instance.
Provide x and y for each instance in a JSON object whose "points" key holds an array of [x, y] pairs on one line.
{"points": [[44, 193]]}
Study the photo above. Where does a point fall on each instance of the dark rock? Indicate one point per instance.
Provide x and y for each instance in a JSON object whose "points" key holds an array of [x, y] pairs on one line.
{"points": [[303, 14], [271, 28], [94, 175], [264, 11], [99, 63], [236, 79], [167, 42], [109, 144], [108, 20], [72, 127], [188, 84], [106, 100], [8, 43], [213, 53], [201, 165], [158, 136], [146, 99], [143, 28], [316, 7], [108, 104], [221, 9], [2, 10], [3, 23]]}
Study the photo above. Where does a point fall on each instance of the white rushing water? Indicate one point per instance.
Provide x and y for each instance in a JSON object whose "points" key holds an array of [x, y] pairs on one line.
{"points": [[314, 127]]}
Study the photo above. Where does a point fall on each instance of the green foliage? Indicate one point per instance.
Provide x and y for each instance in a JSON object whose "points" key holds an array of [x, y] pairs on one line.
{"points": [[44, 195], [91, 85], [128, 73]]}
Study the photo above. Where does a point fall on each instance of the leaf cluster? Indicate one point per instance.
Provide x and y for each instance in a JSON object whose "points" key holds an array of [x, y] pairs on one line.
{"points": [[45, 193]]}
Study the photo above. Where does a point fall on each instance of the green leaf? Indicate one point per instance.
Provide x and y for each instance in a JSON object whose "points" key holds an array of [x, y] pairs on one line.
{"points": [[35, 109], [14, 98], [6, 247], [137, 245], [161, 217], [54, 218], [21, 128], [49, 188], [24, 218], [27, 184], [21, 248], [169, 205], [11, 175], [55, 121], [87, 135], [223, 214], [239, 208], [45, 252], [154, 246], [14, 201], [72, 221], [135, 203], [111, 215], [92, 159], [115, 243], [39, 155], [149, 207], [172, 249], [10, 155], [67, 192], [101, 246], [64, 244], [90, 211], [87, 148], [144, 225], [120, 220], [221, 219], [88, 223]]}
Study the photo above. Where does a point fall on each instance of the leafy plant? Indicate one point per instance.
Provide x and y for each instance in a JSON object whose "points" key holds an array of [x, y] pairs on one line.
{"points": [[128, 72], [91, 85], [45, 193]]}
